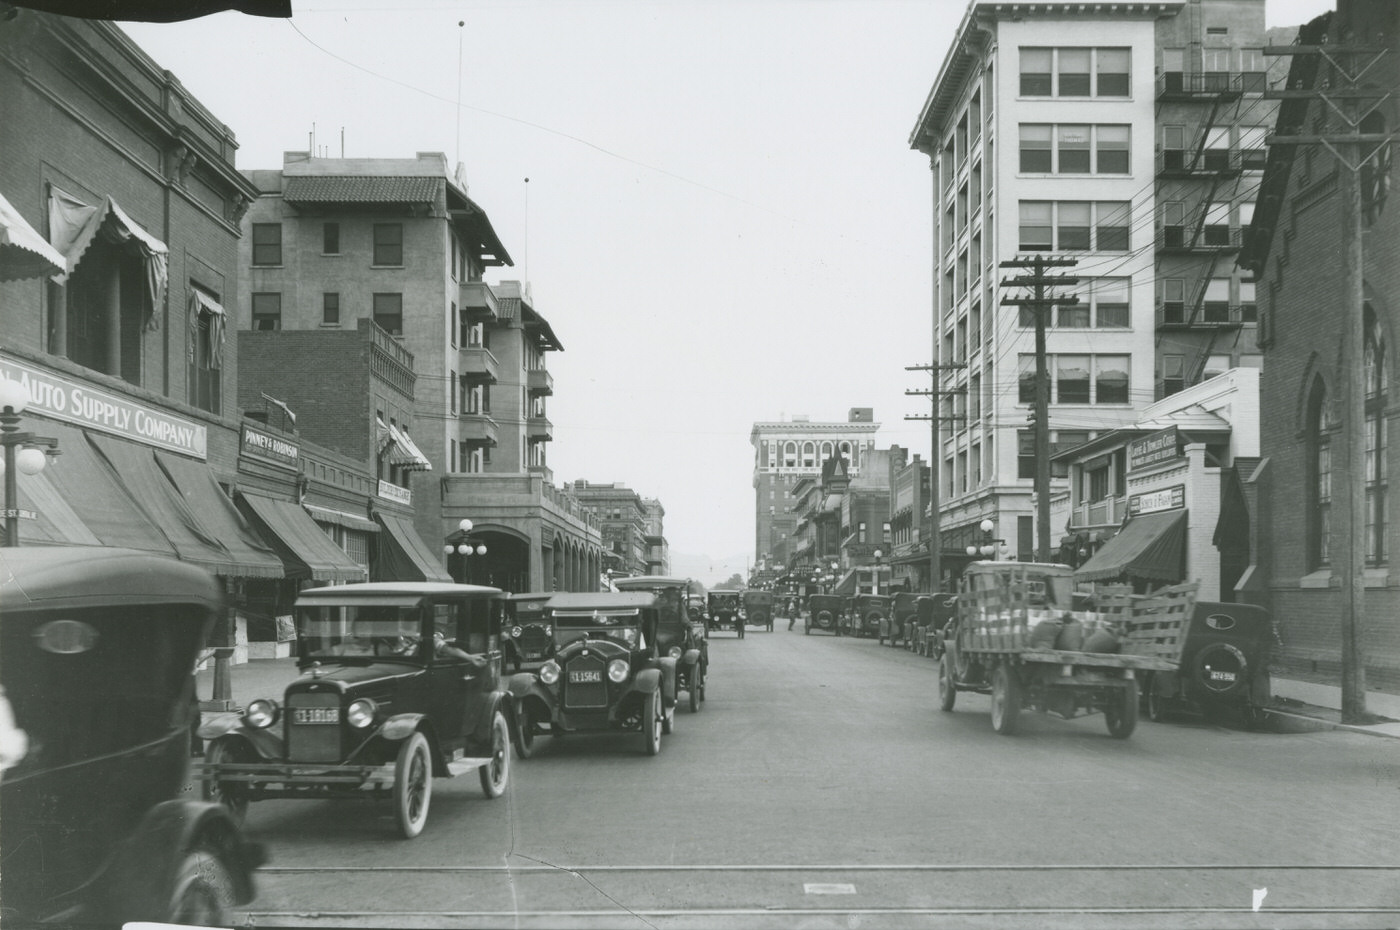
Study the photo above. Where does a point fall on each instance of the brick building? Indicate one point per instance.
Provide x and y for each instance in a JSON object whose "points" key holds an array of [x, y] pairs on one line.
{"points": [[1295, 249], [634, 537]]}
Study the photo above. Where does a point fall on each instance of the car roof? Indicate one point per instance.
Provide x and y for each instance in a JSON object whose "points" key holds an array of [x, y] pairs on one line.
{"points": [[602, 600], [67, 577], [393, 593], [647, 581], [532, 596]]}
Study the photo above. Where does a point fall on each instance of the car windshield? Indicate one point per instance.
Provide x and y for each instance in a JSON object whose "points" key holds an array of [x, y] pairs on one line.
{"points": [[341, 631], [608, 619]]}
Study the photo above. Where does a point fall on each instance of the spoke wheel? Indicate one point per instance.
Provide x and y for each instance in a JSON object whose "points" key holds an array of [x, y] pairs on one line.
{"points": [[413, 785], [496, 773], [1156, 703], [524, 733], [651, 723], [231, 794], [1121, 714], [695, 687], [947, 693], [1006, 700]]}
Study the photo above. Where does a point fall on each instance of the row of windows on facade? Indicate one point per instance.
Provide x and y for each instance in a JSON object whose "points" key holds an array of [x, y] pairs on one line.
{"points": [[1323, 429], [385, 246], [810, 454], [473, 397], [1090, 149]]}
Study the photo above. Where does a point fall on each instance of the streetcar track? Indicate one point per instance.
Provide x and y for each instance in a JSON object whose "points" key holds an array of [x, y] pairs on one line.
{"points": [[910, 867]]}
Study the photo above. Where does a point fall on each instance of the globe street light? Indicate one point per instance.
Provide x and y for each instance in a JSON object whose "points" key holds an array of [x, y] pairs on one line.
{"points": [[24, 452]]}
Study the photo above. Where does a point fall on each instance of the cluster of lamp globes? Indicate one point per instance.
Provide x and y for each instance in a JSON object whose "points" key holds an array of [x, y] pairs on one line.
{"points": [[465, 548], [14, 397], [988, 548]]}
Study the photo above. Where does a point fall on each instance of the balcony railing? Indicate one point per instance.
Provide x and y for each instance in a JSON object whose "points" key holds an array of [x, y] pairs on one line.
{"points": [[1183, 86], [540, 382], [539, 428], [1179, 163], [478, 302], [479, 365], [479, 428], [1172, 315]]}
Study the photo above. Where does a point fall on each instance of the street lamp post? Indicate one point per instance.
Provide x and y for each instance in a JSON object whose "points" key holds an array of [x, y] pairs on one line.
{"points": [[879, 554], [24, 451], [465, 548], [989, 545]]}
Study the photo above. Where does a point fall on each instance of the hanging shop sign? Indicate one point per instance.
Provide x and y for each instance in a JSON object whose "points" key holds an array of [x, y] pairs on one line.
{"points": [[266, 447], [89, 407], [1153, 449], [1172, 498]]}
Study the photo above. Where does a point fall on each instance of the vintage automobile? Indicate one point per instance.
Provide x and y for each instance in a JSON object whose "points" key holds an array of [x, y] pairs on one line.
{"points": [[607, 672], [868, 611], [1224, 665], [678, 634], [97, 655], [759, 608], [401, 683], [697, 612], [526, 637], [725, 609], [933, 613], [824, 614], [897, 627]]}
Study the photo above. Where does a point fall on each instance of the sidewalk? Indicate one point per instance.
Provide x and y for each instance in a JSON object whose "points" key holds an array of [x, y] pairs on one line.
{"points": [[1295, 702]]}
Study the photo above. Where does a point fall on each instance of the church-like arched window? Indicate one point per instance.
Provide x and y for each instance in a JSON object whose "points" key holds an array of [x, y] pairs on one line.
{"points": [[809, 455], [789, 454]]}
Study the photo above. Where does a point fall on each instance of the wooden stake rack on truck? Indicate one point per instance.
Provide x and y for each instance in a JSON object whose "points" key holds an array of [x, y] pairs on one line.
{"points": [[1024, 635]]}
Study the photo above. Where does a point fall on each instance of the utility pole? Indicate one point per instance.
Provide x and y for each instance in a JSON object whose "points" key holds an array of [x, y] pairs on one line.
{"points": [[1041, 304], [935, 565], [1342, 91]]}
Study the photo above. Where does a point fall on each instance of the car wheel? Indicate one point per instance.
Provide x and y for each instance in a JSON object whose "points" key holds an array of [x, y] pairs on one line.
{"points": [[203, 890], [1156, 703], [947, 692], [668, 720], [231, 794], [524, 733], [695, 692], [1121, 713], [413, 785], [496, 773], [651, 723], [1006, 700]]}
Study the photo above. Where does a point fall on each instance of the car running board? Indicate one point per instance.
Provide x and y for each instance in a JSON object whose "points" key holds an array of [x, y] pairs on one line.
{"points": [[463, 766]]}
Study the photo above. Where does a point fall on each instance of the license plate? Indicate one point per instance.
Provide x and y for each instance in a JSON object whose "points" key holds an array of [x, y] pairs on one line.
{"points": [[316, 715], [584, 677], [1222, 676]]}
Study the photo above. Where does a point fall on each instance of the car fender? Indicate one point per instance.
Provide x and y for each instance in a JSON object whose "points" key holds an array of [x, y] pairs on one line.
{"points": [[265, 741], [521, 684], [499, 700], [647, 680], [401, 727], [142, 881], [691, 657], [668, 680]]}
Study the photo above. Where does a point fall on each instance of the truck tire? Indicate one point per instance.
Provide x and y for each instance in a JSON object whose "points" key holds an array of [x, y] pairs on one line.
{"points": [[947, 691], [1121, 712], [1006, 700]]}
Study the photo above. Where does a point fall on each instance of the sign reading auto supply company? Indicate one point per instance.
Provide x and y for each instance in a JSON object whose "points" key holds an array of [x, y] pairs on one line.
{"points": [[86, 406]]}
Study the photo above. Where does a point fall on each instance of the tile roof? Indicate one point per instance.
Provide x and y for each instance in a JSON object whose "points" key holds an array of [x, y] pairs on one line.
{"points": [[361, 189]]}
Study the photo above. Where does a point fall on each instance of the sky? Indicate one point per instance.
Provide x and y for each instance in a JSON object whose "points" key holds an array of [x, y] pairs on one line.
{"points": [[714, 202]]}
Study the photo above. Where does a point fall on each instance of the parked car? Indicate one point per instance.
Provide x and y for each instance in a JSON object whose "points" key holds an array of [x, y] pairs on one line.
{"points": [[1224, 665], [401, 683], [868, 612], [97, 654], [933, 613], [824, 614], [724, 609], [898, 626], [607, 672], [759, 608], [678, 634], [526, 636]]}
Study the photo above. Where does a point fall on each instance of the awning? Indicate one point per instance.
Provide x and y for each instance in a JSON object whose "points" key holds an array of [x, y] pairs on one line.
{"points": [[54, 521], [23, 252], [196, 483], [134, 467], [847, 585], [306, 551], [417, 461], [202, 304], [74, 224], [351, 521], [90, 489], [1151, 547], [402, 555]]}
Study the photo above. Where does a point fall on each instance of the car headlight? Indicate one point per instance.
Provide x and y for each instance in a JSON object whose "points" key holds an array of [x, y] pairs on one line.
{"points": [[361, 713], [515, 632], [548, 631], [617, 670], [674, 652], [261, 713], [549, 672]]}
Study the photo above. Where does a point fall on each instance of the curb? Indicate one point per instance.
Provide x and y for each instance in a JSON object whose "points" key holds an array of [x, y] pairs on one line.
{"points": [[1388, 730]]}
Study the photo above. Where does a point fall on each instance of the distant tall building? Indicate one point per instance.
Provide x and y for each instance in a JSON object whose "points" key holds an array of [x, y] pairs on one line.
{"points": [[1130, 137], [634, 540], [786, 451]]}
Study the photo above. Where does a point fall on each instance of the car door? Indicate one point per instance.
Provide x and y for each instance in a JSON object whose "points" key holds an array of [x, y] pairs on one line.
{"points": [[455, 675]]}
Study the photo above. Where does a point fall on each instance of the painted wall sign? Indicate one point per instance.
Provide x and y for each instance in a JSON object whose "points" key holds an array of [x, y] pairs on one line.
{"points": [[1172, 498], [393, 492], [254, 443], [83, 405], [1161, 446]]}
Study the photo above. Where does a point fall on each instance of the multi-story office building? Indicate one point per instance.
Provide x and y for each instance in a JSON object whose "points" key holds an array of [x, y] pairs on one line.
{"points": [[785, 451], [398, 241], [1126, 136], [634, 539], [658, 551]]}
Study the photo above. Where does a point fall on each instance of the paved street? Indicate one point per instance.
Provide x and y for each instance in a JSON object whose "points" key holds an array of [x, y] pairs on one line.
{"points": [[821, 787]]}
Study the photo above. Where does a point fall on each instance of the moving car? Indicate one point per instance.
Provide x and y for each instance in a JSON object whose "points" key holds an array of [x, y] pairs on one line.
{"points": [[526, 634], [678, 634], [725, 611], [97, 654], [607, 672], [400, 685], [1224, 665], [898, 625], [868, 612], [824, 614], [759, 608]]}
